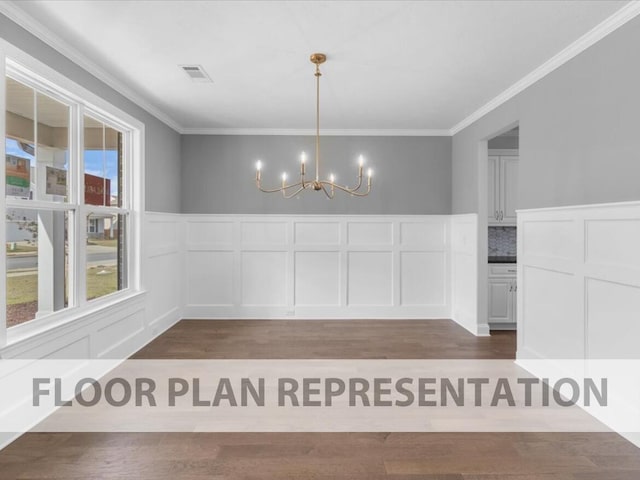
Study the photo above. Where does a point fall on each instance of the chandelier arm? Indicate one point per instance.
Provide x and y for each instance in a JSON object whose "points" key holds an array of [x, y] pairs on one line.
{"points": [[345, 188], [280, 189], [329, 195], [354, 189], [348, 190], [291, 195]]}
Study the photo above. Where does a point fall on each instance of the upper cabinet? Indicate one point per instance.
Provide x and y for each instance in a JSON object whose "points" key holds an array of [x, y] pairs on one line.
{"points": [[503, 189]]}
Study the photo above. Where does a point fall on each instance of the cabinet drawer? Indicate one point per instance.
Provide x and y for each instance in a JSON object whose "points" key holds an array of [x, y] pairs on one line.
{"points": [[503, 270]]}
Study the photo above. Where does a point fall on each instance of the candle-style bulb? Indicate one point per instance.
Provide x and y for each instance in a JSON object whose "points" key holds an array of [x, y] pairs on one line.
{"points": [[332, 178], [284, 177], [369, 173], [258, 165], [303, 158], [361, 160]]}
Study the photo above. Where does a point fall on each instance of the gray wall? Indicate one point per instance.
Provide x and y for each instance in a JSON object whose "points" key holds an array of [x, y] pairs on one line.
{"points": [[509, 143], [579, 131], [162, 144], [412, 175]]}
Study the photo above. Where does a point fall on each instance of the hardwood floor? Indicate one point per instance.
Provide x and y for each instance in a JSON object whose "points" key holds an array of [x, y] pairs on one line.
{"points": [[326, 339], [323, 456]]}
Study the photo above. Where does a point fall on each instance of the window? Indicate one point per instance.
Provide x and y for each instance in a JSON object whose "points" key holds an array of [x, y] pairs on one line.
{"points": [[68, 200]]}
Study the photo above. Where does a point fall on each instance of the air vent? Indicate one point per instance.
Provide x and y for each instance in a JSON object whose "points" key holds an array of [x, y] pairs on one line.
{"points": [[196, 73]]}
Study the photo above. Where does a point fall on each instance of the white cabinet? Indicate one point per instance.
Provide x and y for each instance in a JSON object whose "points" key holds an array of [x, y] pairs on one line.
{"points": [[502, 296], [502, 190]]}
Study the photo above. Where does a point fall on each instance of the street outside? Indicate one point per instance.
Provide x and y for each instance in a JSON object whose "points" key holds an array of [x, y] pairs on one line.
{"points": [[22, 277], [26, 261]]}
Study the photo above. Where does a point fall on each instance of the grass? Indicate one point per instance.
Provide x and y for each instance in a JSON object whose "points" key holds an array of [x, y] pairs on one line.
{"points": [[103, 284], [21, 248], [103, 243], [24, 288]]}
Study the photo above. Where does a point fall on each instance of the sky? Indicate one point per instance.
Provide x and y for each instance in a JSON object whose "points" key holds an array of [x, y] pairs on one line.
{"points": [[95, 163]]}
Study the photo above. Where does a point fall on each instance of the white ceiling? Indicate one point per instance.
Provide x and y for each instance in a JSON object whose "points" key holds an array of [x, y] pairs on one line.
{"points": [[391, 65]]}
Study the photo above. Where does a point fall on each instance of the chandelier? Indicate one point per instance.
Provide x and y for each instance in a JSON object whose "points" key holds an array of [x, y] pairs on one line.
{"points": [[328, 186]]}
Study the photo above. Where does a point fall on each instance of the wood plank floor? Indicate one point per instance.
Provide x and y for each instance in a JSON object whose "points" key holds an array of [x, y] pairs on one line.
{"points": [[323, 456]]}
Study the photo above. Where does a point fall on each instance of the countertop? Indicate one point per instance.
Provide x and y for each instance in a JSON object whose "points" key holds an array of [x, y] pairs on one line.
{"points": [[503, 259]]}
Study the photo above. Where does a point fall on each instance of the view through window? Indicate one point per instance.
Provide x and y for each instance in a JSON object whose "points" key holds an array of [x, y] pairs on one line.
{"points": [[52, 206]]}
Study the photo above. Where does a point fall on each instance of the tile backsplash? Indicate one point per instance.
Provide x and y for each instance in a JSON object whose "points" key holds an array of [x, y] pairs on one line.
{"points": [[502, 241]]}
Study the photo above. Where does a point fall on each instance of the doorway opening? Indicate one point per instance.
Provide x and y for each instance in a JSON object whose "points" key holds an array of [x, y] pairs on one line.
{"points": [[502, 191]]}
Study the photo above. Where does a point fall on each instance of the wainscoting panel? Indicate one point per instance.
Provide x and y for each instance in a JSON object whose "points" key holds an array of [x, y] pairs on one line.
{"points": [[579, 282], [370, 233], [264, 278], [464, 274], [550, 297], [263, 233], [421, 275], [118, 330], [317, 279], [370, 279], [203, 288], [612, 307], [317, 233], [287, 266], [207, 234]]}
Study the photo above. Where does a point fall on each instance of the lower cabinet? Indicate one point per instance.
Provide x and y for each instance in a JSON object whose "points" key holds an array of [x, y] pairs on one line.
{"points": [[502, 302]]}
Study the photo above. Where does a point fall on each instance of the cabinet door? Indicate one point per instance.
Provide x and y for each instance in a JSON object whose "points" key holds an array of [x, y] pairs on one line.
{"points": [[493, 197], [509, 188], [500, 300]]}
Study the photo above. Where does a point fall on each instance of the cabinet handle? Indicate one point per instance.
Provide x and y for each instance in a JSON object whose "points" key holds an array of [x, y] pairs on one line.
{"points": [[496, 216], [511, 287], [501, 215], [512, 271]]}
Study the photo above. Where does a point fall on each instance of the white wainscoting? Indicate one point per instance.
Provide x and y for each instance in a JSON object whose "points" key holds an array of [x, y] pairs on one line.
{"points": [[464, 274], [272, 266], [163, 273], [116, 332], [579, 282]]}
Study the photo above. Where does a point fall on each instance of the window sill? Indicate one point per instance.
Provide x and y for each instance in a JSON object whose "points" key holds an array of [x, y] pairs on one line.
{"points": [[68, 320]]}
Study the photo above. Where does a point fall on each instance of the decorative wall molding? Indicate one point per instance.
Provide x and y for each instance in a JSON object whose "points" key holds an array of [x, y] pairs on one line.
{"points": [[329, 132], [464, 274], [45, 34], [579, 282], [42, 32], [597, 33], [305, 267], [579, 290], [117, 331]]}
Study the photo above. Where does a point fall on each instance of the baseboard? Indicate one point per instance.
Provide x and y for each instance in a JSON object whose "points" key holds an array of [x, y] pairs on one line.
{"points": [[479, 330], [503, 327], [157, 328], [319, 313], [7, 438], [483, 330]]}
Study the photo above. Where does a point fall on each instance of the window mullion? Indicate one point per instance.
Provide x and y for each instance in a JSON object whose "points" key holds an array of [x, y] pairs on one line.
{"points": [[74, 199], [80, 270], [3, 260]]}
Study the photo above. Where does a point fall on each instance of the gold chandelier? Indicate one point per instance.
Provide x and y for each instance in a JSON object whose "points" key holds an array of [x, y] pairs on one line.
{"points": [[329, 186]]}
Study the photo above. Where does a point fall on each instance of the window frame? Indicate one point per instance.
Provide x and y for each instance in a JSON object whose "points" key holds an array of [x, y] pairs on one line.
{"points": [[81, 101]]}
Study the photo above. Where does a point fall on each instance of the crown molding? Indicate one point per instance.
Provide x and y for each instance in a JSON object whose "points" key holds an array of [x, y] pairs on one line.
{"points": [[26, 21], [324, 132], [615, 21]]}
